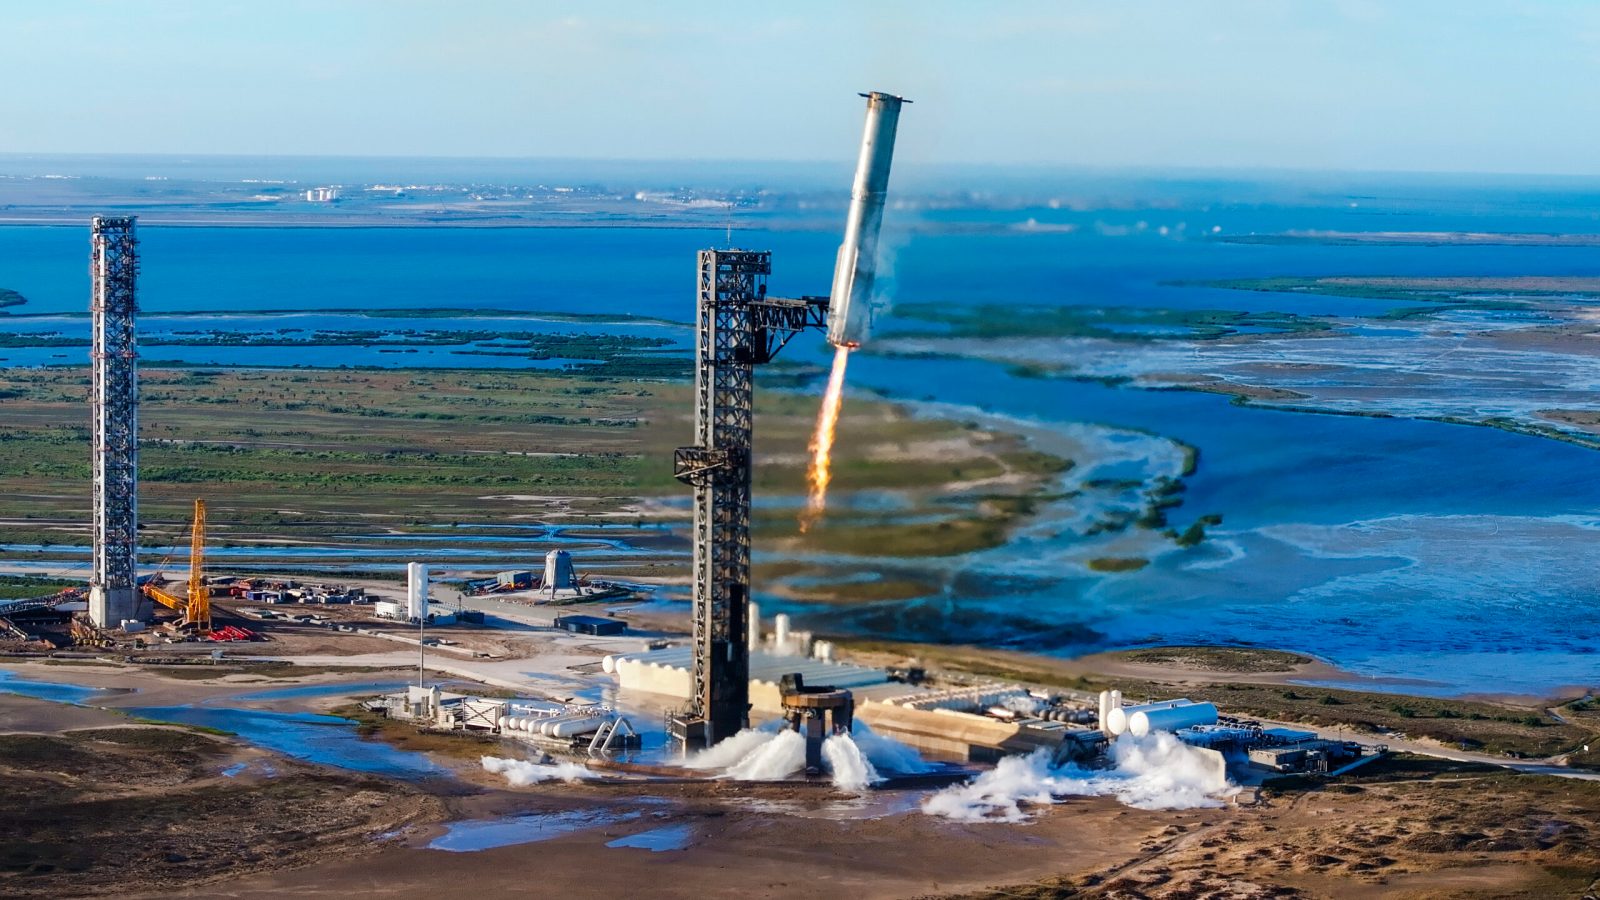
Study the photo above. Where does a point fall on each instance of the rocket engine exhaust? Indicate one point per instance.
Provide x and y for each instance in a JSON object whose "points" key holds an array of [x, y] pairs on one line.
{"points": [[820, 472], [850, 302]]}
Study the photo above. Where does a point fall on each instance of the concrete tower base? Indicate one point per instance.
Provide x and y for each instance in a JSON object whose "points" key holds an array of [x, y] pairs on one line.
{"points": [[108, 608]]}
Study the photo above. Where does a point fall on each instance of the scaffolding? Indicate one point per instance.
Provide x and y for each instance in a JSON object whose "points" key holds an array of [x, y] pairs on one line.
{"points": [[737, 327], [114, 401]]}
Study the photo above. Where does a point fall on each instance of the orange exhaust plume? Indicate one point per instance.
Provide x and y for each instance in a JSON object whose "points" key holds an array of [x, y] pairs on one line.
{"points": [[822, 442]]}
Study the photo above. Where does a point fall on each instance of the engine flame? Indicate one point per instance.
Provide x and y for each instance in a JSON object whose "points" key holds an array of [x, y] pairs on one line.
{"points": [[822, 442]]}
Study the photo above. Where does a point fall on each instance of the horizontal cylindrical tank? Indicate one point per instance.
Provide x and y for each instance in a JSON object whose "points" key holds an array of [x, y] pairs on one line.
{"points": [[850, 302], [1172, 718], [575, 726], [548, 725], [1117, 721]]}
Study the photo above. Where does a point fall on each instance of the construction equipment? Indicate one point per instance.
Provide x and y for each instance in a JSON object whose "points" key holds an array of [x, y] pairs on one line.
{"points": [[85, 634], [196, 607]]}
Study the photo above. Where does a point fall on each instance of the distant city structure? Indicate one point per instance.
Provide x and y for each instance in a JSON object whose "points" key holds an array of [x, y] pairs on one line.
{"points": [[322, 195], [114, 597]]}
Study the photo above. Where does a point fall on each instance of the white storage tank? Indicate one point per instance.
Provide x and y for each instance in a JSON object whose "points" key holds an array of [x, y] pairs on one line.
{"points": [[576, 725], [1119, 720], [1171, 718], [416, 591]]}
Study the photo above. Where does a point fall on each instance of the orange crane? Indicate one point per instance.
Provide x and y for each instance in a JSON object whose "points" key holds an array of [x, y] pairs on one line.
{"points": [[196, 608]]}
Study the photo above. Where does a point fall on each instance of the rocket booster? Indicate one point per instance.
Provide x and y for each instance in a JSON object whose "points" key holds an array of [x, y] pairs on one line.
{"points": [[850, 302]]}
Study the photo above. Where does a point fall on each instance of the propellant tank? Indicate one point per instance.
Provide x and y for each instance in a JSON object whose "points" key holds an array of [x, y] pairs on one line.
{"points": [[851, 303]]}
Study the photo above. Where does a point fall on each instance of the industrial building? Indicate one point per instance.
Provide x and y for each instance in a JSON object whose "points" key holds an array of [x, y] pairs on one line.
{"points": [[561, 727]]}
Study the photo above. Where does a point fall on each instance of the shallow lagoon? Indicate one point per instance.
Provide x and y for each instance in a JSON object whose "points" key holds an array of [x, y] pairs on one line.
{"points": [[1386, 545]]}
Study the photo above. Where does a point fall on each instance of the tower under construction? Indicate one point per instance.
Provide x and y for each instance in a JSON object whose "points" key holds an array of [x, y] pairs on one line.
{"points": [[114, 268]]}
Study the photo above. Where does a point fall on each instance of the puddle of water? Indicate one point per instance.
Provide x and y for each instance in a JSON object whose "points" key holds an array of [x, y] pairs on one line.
{"points": [[657, 840], [46, 690], [234, 769], [486, 834], [328, 740]]}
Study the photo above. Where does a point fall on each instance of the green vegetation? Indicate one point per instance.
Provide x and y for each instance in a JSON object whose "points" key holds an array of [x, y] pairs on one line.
{"points": [[951, 537], [1439, 294], [1195, 534], [9, 297], [591, 354], [1117, 564], [426, 312], [870, 591], [300, 455], [407, 736], [1134, 324], [1218, 659], [22, 587]]}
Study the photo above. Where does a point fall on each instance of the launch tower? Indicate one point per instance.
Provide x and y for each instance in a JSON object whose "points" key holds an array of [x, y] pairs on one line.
{"points": [[737, 327], [114, 401]]}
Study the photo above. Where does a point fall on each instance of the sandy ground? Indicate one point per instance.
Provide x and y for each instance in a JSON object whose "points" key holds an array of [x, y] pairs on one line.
{"points": [[1396, 835], [734, 851], [91, 803]]}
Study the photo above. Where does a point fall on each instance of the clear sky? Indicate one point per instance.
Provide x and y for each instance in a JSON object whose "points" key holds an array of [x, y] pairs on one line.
{"points": [[1415, 85]]}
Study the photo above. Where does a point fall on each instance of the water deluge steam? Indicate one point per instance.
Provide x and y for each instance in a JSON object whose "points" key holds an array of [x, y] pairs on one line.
{"points": [[521, 773], [772, 753], [1154, 772]]}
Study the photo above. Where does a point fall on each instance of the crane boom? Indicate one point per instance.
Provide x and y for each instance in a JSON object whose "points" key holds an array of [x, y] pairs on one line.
{"points": [[196, 608], [199, 611]]}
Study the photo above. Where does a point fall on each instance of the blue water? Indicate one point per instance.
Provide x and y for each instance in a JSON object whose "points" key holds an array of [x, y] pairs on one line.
{"points": [[1304, 497], [1260, 465], [657, 840], [486, 834], [46, 690], [328, 740]]}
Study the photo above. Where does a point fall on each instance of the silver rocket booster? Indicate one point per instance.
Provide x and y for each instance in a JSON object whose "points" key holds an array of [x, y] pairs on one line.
{"points": [[850, 303]]}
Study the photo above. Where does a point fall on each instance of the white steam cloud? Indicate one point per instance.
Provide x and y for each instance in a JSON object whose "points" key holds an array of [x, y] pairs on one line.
{"points": [[521, 773], [772, 753], [1154, 772]]}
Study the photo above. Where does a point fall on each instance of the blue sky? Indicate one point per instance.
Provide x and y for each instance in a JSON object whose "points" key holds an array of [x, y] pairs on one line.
{"points": [[1416, 85]]}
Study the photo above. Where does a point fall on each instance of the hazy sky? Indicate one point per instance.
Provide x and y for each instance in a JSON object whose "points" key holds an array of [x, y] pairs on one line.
{"points": [[1464, 85]]}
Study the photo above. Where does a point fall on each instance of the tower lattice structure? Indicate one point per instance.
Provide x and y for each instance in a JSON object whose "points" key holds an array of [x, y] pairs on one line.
{"points": [[737, 327], [114, 402]]}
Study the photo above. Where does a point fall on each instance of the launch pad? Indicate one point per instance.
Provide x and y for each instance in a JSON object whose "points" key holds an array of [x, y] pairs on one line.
{"points": [[737, 328]]}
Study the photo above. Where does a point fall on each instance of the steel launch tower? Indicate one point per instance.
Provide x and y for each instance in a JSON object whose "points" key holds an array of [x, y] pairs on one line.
{"points": [[114, 268], [737, 327]]}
